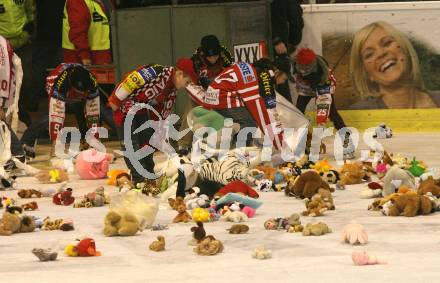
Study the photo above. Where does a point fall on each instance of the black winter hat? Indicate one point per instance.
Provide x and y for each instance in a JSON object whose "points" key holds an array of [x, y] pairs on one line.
{"points": [[210, 45], [282, 63], [81, 79]]}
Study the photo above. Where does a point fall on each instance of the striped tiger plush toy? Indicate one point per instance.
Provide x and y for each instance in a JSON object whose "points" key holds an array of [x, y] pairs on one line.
{"points": [[225, 170]]}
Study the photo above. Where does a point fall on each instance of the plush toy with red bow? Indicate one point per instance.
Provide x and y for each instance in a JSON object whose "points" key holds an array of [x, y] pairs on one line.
{"points": [[63, 197]]}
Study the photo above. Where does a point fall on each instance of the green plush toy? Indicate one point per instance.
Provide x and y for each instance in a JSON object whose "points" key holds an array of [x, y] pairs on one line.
{"points": [[417, 169], [203, 117]]}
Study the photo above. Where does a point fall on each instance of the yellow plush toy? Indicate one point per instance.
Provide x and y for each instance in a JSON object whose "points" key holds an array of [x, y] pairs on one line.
{"points": [[70, 250], [200, 214], [322, 166]]}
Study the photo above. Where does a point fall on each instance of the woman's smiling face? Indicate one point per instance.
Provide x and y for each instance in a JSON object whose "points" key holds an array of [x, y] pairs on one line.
{"points": [[383, 58]]}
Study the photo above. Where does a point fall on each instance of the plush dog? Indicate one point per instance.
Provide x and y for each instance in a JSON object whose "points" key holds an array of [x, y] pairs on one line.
{"points": [[29, 193], [351, 174], [429, 186], [409, 204], [307, 185], [179, 205]]}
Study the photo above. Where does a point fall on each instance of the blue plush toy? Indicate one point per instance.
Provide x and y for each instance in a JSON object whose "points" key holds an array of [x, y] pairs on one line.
{"points": [[246, 201]]}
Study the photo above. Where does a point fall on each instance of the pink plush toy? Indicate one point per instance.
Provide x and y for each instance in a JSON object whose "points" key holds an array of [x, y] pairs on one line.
{"points": [[249, 211], [381, 169], [364, 258], [92, 164]]}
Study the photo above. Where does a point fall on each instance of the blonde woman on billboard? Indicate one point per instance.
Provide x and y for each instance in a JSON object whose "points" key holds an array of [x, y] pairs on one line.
{"points": [[385, 70]]}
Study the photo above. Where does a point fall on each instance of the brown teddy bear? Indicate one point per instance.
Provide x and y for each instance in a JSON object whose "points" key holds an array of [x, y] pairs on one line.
{"points": [[429, 186], [351, 174], [116, 224], [209, 246], [316, 229], [238, 229], [52, 176], [410, 204], [179, 205], [307, 185], [158, 245], [33, 205], [51, 225], [315, 207], [199, 232], [14, 223], [29, 193]]}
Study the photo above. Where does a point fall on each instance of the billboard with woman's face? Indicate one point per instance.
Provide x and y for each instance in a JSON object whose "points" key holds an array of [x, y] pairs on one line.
{"points": [[382, 59]]}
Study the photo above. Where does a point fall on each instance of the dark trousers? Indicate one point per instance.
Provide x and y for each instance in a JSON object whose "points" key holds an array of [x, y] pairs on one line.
{"points": [[42, 124], [334, 116], [25, 100], [45, 55], [138, 140], [16, 146], [240, 116]]}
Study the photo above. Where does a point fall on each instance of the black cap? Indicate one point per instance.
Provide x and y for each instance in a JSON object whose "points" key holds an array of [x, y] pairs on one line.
{"points": [[282, 63], [81, 79], [210, 45]]}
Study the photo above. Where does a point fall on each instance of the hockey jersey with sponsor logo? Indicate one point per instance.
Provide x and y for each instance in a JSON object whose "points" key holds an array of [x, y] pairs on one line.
{"points": [[149, 84], [7, 76], [60, 92], [242, 86]]}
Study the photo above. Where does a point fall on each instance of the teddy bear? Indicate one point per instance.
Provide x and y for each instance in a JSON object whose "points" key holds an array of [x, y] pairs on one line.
{"points": [[23, 193], [429, 186], [116, 224], [409, 204], [234, 216], [52, 176], [316, 229], [308, 184], [351, 174], [238, 229], [158, 245], [179, 205], [63, 197], [209, 246], [261, 253], [92, 164], [50, 225], [378, 203], [14, 223], [315, 206], [199, 232], [284, 223], [396, 177], [95, 199], [30, 206], [193, 200]]}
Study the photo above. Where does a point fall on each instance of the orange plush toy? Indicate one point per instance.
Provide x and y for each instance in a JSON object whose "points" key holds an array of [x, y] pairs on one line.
{"points": [[269, 172], [351, 174], [429, 186], [113, 176]]}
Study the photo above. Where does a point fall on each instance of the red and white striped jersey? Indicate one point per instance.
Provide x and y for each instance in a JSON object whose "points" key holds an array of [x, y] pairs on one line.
{"points": [[7, 76], [241, 86]]}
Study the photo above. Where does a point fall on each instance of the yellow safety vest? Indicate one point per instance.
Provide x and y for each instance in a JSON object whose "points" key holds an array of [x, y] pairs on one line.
{"points": [[99, 29], [13, 17]]}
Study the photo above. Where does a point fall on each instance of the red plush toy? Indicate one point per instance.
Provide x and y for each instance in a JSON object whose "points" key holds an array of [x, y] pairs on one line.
{"points": [[87, 247], [238, 187], [63, 198]]}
